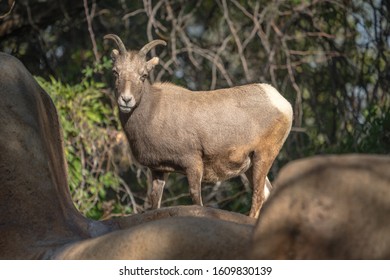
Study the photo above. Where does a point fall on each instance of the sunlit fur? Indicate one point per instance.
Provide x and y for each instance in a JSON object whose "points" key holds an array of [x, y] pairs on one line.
{"points": [[208, 135]]}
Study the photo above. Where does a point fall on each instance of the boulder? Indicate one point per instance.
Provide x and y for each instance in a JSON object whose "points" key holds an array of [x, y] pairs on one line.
{"points": [[327, 207]]}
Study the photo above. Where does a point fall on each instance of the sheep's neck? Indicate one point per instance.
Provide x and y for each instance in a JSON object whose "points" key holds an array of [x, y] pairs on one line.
{"points": [[134, 123]]}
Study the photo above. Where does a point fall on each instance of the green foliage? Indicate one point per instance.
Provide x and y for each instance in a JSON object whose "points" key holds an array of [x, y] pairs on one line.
{"points": [[88, 123], [370, 136]]}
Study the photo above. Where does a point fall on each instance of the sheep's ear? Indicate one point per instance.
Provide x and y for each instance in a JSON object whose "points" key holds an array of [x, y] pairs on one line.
{"points": [[151, 63], [114, 54]]}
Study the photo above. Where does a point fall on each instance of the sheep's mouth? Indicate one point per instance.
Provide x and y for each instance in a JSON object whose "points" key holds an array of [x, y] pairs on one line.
{"points": [[125, 109]]}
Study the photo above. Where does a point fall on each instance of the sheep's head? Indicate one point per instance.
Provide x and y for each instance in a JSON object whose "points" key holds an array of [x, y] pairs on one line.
{"points": [[131, 70]]}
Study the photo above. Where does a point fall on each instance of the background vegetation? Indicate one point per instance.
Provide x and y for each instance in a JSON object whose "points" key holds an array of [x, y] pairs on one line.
{"points": [[329, 58]]}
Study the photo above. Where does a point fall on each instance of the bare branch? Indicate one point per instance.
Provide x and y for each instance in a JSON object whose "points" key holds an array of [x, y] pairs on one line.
{"points": [[89, 16], [131, 196], [215, 63], [236, 39], [9, 11], [136, 12]]}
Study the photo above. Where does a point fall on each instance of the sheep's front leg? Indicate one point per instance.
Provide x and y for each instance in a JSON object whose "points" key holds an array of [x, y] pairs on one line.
{"points": [[194, 176], [158, 184]]}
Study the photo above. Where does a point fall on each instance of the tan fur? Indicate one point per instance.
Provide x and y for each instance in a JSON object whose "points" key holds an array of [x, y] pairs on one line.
{"points": [[207, 135]]}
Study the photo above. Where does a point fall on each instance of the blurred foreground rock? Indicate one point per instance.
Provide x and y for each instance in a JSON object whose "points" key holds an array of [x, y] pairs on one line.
{"points": [[328, 207]]}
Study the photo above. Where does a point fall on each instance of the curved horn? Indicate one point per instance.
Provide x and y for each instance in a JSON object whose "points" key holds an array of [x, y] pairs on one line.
{"points": [[145, 49], [118, 41]]}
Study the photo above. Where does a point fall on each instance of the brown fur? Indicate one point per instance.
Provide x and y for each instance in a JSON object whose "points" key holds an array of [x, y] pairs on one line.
{"points": [[207, 135]]}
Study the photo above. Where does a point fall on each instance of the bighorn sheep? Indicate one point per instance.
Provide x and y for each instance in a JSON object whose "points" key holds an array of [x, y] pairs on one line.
{"points": [[209, 135]]}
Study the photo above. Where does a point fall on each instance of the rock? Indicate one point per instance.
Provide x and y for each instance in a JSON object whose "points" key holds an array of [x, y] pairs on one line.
{"points": [[327, 207]]}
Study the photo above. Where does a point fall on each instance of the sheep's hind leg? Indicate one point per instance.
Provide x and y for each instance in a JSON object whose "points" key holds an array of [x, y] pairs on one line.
{"points": [[249, 184], [194, 176], [261, 166], [158, 184]]}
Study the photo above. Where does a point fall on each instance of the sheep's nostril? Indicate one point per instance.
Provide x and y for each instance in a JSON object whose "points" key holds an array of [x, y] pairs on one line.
{"points": [[126, 99]]}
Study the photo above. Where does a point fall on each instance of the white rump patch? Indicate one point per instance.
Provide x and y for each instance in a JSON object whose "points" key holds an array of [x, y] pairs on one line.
{"points": [[277, 100]]}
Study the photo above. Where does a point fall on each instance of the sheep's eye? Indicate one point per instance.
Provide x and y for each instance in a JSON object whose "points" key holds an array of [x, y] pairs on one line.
{"points": [[144, 77]]}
